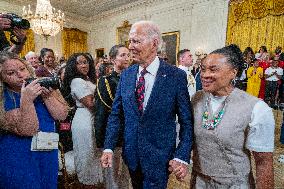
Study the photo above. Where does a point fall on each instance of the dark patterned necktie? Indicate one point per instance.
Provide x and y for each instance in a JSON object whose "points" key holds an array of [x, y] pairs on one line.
{"points": [[140, 90]]}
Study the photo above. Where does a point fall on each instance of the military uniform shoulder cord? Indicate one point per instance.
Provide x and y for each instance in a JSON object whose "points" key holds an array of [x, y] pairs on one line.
{"points": [[108, 90]]}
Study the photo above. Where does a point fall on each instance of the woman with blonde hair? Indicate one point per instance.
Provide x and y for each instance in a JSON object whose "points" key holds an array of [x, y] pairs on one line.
{"points": [[27, 111]]}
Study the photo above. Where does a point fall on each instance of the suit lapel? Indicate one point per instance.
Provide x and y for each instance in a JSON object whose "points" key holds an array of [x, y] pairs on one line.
{"points": [[158, 84], [131, 82]]}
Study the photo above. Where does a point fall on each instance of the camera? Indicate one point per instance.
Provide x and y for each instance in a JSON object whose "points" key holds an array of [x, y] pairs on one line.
{"points": [[53, 82], [16, 21]]}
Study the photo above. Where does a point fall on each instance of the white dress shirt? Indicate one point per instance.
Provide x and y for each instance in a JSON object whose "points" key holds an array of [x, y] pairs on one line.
{"points": [[191, 83], [149, 77], [271, 70]]}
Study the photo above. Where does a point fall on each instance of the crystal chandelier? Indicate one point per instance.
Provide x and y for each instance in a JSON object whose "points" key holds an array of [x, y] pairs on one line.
{"points": [[46, 21]]}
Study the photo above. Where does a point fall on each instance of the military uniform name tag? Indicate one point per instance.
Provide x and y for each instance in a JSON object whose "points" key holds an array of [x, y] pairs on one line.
{"points": [[45, 141]]}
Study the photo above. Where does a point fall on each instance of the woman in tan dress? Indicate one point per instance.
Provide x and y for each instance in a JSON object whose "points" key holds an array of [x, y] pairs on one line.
{"points": [[229, 125]]}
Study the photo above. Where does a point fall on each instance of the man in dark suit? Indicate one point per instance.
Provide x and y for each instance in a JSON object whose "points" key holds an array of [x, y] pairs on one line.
{"points": [[196, 73], [151, 93]]}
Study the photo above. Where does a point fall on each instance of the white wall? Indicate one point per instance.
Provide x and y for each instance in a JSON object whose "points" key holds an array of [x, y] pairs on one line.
{"points": [[202, 23]]}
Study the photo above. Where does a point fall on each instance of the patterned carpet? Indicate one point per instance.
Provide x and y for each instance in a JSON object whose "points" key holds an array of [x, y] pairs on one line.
{"points": [[278, 167]]}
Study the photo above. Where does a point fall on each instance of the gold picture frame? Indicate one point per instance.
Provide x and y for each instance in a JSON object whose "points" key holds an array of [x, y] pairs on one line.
{"points": [[100, 52], [122, 33], [171, 43]]}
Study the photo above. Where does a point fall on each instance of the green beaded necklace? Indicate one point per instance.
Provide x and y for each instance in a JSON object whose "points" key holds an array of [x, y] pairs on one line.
{"points": [[211, 122]]}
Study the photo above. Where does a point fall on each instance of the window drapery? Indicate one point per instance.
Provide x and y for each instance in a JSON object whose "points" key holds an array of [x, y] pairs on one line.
{"points": [[73, 41], [256, 22]]}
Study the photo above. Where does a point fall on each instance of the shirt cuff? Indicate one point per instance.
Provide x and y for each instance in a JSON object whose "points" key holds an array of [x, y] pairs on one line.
{"points": [[181, 161], [108, 150]]}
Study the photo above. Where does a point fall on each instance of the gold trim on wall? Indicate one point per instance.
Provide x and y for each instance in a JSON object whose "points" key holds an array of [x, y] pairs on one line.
{"points": [[122, 33], [100, 51]]}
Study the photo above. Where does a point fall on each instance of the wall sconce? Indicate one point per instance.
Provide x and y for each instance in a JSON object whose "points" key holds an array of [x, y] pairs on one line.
{"points": [[200, 53]]}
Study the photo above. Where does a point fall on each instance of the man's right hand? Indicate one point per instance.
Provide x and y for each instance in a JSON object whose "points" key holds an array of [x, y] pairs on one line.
{"points": [[5, 23], [106, 159], [179, 169]]}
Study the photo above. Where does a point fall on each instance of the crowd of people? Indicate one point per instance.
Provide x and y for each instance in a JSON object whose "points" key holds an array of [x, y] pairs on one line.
{"points": [[133, 105], [263, 75]]}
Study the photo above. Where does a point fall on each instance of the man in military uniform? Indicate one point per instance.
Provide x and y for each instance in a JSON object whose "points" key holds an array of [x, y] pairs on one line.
{"points": [[185, 63]]}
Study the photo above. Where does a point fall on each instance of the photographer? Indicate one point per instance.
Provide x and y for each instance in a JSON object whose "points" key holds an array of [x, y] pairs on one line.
{"points": [[25, 109], [5, 23]]}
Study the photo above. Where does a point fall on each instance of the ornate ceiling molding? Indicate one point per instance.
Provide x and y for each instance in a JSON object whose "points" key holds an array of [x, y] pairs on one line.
{"points": [[148, 3], [95, 9]]}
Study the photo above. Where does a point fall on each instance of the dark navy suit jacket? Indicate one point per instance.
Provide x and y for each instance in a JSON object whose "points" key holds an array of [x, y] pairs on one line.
{"points": [[198, 81], [150, 139]]}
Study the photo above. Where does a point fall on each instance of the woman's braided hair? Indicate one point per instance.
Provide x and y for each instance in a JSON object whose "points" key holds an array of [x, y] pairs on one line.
{"points": [[234, 57]]}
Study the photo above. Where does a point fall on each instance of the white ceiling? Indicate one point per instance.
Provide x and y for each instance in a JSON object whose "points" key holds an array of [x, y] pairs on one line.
{"points": [[85, 8]]}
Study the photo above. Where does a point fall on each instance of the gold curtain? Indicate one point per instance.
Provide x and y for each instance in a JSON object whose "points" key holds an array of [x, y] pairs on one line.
{"points": [[256, 22], [73, 41], [29, 44]]}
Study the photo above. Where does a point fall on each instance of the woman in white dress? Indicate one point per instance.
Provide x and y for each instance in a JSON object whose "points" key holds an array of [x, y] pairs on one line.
{"points": [[79, 81]]}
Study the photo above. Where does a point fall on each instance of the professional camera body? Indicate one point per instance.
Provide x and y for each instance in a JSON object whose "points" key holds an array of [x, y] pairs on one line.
{"points": [[53, 82], [16, 21]]}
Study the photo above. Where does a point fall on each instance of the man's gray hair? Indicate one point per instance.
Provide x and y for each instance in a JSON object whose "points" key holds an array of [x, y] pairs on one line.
{"points": [[29, 54], [152, 31]]}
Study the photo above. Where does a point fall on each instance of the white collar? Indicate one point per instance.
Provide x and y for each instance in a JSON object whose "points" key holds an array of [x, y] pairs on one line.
{"points": [[217, 98], [183, 67], [152, 68]]}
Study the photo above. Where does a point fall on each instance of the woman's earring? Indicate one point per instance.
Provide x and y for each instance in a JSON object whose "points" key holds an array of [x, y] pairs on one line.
{"points": [[233, 82]]}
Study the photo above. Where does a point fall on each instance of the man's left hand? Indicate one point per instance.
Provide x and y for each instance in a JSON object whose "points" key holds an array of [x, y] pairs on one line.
{"points": [[179, 169]]}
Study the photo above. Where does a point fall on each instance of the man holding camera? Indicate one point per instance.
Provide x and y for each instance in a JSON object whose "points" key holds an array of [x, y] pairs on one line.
{"points": [[5, 24]]}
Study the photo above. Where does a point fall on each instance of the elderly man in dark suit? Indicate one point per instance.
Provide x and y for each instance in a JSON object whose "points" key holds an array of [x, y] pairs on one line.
{"points": [[150, 93]]}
